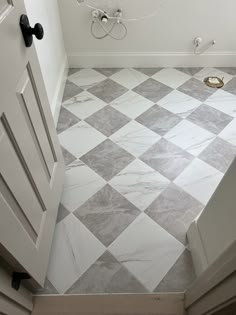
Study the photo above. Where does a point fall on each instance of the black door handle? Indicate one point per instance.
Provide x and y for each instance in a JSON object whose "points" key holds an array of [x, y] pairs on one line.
{"points": [[28, 31]]}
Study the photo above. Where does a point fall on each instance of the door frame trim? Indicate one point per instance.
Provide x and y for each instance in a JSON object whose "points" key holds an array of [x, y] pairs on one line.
{"points": [[112, 304], [219, 277]]}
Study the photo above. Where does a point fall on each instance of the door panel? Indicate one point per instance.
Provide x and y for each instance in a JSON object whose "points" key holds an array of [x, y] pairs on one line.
{"points": [[28, 97], [31, 164]]}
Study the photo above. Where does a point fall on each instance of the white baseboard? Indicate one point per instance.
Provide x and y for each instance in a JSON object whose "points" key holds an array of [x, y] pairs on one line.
{"points": [[151, 59], [58, 95], [197, 249]]}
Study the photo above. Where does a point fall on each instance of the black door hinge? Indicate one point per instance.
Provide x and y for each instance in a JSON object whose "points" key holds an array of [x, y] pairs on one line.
{"points": [[17, 277]]}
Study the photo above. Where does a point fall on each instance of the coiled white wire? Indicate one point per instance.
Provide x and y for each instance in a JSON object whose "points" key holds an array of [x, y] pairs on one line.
{"points": [[108, 32]]}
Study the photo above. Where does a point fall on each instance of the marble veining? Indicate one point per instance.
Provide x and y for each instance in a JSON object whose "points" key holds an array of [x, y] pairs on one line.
{"points": [[74, 249], [171, 77], [190, 137], [179, 103], [80, 184], [130, 78], [141, 249], [135, 138], [139, 183], [84, 104], [200, 180]]}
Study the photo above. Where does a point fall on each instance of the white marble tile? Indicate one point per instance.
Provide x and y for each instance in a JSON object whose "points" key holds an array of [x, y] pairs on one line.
{"points": [[171, 77], [190, 137], [74, 250], [147, 251], [129, 78], [200, 180], [132, 104], [84, 104], [80, 184], [213, 72], [140, 184], [223, 101], [86, 78], [80, 138], [229, 133], [179, 103], [135, 138]]}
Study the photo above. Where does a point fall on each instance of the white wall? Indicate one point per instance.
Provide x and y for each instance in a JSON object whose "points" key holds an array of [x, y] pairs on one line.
{"points": [[162, 40], [215, 229], [51, 51]]}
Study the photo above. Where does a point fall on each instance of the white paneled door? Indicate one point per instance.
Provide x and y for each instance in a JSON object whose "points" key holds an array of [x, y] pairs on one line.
{"points": [[31, 164]]}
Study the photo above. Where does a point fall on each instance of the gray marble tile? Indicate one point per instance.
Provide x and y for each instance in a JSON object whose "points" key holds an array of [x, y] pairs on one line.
{"points": [[166, 158], [107, 159], [66, 120], [46, 290], [219, 154], [149, 71], [180, 277], [190, 71], [62, 213], [108, 120], [68, 157], [175, 210], [210, 118], [108, 90], [107, 275], [108, 71], [152, 90], [229, 70], [107, 214], [158, 119], [73, 71], [197, 89], [231, 86], [71, 90]]}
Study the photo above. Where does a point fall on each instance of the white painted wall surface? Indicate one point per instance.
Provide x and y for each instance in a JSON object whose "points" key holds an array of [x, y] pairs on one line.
{"points": [[157, 41], [51, 51], [216, 226]]}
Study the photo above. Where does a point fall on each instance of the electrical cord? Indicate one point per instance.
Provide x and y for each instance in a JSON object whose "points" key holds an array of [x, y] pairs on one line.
{"points": [[208, 46], [122, 19], [108, 32]]}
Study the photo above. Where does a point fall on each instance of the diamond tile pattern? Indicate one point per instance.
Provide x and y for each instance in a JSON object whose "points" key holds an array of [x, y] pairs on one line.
{"points": [[197, 89], [175, 210], [107, 159], [108, 90], [144, 150], [159, 120], [107, 214], [152, 90], [108, 120], [210, 119], [107, 275], [71, 90], [66, 120]]}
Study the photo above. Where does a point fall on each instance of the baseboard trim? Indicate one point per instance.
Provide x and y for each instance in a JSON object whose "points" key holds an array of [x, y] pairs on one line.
{"points": [[151, 59], [58, 95], [126, 304], [197, 249]]}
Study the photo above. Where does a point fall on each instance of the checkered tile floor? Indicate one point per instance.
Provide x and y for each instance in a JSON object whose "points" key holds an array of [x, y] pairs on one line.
{"points": [[145, 149]]}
